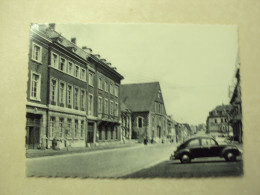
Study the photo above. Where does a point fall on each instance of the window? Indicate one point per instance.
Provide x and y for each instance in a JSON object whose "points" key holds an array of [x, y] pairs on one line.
{"points": [[82, 129], [99, 83], [106, 86], [35, 86], [36, 52], [90, 105], [222, 120], [69, 126], [140, 122], [208, 142], [216, 121], [70, 68], [106, 106], [76, 98], [62, 64], [90, 79], [116, 91], [52, 124], [111, 108], [76, 128], [61, 125], [53, 92], [116, 109], [83, 74], [76, 72], [100, 105], [54, 60], [194, 142], [82, 100], [62, 94], [70, 96], [111, 89]]}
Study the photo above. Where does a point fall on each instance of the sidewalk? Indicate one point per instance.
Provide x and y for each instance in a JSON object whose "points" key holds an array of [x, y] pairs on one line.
{"points": [[33, 153]]}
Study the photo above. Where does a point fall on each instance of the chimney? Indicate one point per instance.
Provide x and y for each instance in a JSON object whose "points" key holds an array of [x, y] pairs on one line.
{"points": [[103, 60], [109, 64], [114, 68], [52, 26], [88, 50], [73, 40], [97, 55]]}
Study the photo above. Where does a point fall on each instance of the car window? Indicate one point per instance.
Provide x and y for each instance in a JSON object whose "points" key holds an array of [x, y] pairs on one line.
{"points": [[194, 142], [208, 142], [212, 142]]}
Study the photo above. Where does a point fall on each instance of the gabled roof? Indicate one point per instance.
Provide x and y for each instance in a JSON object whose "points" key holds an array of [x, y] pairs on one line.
{"points": [[139, 96]]}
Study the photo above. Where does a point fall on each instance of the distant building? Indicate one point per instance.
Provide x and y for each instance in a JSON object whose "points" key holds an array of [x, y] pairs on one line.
{"points": [[236, 111], [149, 118], [218, 121], [171, 131], [126, 122]]}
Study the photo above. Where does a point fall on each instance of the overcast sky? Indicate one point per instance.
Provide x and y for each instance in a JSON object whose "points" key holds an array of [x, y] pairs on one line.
{"points": [[194, 64]]}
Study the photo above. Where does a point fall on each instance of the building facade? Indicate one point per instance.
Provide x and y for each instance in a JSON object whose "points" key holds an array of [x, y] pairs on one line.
{"points": [[149, 118], [218, 121], [64, 100], [236, 111]]}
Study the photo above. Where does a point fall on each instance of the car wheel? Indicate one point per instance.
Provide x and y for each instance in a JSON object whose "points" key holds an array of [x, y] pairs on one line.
{"points": [[230, 156], [185, 158]]}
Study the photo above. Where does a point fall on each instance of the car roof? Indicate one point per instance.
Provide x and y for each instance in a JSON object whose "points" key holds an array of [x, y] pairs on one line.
{"points": [[198, 137]]}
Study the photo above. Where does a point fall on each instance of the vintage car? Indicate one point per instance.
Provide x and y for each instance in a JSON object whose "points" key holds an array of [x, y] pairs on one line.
{"points": [[204, 146]]}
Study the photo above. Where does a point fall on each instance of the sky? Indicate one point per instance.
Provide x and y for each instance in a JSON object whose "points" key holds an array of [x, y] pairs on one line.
{"points": [[195, 64]]}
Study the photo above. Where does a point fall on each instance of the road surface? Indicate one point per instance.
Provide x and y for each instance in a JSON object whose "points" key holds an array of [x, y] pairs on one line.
{"points": [[138, 161], [105, 163]]}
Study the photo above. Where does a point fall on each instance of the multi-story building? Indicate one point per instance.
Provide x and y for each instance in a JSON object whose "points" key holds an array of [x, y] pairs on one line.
{"points": [[64, 97], [149, 118], [171, 132], [236, 111], [218, 121]]}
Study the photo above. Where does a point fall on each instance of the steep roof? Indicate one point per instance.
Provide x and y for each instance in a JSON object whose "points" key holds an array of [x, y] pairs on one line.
{"points": [[139, 96]]}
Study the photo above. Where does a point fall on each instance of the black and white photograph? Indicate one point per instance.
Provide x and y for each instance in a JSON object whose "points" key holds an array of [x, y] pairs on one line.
{"points": [[133, 101]]}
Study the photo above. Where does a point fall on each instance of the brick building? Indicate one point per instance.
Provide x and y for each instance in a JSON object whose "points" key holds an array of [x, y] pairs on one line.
{"points": [[72, 95], [146, 103]]}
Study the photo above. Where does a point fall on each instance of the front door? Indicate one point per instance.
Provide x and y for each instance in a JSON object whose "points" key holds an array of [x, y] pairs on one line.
{"points": [[90, 133], [33, 131]]}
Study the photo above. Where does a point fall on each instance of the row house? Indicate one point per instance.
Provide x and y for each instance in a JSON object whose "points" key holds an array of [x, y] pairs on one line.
{"points": [[218, 121], [149, 118], [63, 95]]}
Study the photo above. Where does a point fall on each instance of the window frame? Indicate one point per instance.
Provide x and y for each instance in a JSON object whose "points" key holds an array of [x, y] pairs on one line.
{"points": [[76, 70], [64, 68], [71, 97], [111, 89], [55, 100], [62, 95], [38, 87], [72, 68], [91, 78], [76, 99], [90, 104], [58, 60], [82, 100], [100, 105], [40, 53], [83, 76]]}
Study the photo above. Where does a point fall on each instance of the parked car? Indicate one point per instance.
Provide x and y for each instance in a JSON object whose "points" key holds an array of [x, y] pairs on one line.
{"points": [[204, 146]]}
